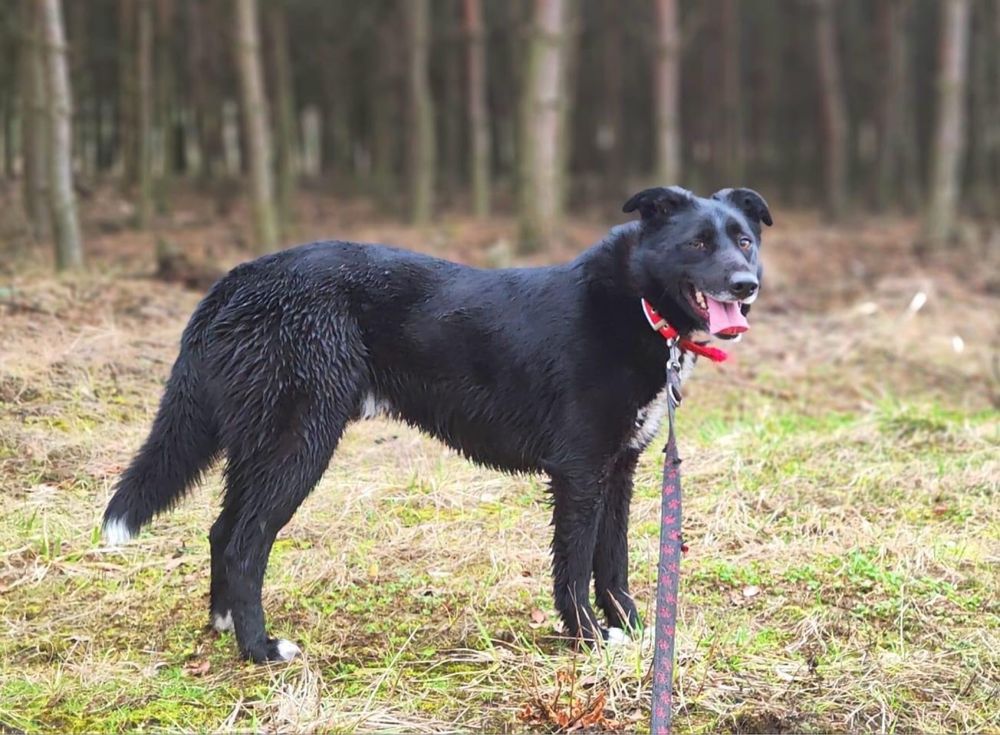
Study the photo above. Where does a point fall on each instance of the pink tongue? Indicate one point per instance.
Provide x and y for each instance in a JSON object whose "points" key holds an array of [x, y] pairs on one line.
{"points": [[725, 317]]}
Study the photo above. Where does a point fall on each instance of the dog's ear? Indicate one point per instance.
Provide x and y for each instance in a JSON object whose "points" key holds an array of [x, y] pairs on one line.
{"points": [[747, 201], [658, 201]]}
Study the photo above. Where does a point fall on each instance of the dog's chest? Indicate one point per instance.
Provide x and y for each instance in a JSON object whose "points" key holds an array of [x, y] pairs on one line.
{"points": [[649, 417]]}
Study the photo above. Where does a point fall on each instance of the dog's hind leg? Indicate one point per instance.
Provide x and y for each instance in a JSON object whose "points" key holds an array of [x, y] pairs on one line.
{"points": [[269, 483], [611, 551], [576, 514], [220, 606]]}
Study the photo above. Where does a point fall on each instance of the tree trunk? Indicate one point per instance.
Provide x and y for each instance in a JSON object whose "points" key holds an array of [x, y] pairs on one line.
{"points": [[255, 117], [833, 114], [284, 119], [127, 83], [890, 33], [204, 72], [667, 93], [168, 135], [144, 112], [543, 109], [34, 122], [949, 137], [479, 123], [984, 125], [610, 138], [451, 113], [62, 199], [386, 111], [732, 97], [8, 135], [423, 152]]}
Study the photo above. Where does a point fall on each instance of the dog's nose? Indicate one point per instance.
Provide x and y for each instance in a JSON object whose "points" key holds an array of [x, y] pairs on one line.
{"points": [[743, 285]]}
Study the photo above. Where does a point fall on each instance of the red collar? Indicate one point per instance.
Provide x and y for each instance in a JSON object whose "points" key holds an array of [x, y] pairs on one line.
{"points": [[659, 324]]}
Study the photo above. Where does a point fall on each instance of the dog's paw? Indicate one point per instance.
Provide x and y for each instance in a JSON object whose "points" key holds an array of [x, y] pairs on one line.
{"points": [[273, 650], [285, 650], [616, 637]]}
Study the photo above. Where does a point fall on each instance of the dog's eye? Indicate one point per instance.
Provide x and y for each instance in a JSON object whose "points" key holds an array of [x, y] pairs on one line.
{"points": [[745, 242], [698, 244]]}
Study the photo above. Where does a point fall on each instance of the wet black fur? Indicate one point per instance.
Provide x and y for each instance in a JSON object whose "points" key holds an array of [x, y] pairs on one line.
{"points": [[525, 370]]}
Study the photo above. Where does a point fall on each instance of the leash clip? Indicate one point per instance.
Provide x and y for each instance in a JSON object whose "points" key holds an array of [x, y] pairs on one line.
{"points": [[674, 376]]}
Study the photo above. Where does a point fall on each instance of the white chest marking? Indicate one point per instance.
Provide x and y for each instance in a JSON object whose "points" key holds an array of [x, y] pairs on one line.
{"points": [[647, 421], [650, 416], [373, 406]]}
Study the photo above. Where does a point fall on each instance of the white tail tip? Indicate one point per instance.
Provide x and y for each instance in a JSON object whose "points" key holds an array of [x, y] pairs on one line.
{"points": [[116, 532]]}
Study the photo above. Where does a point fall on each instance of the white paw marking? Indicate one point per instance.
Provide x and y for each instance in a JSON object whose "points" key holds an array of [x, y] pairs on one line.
{"points": [[116, 532], [617, 637], [223, 623], [288, 650]]}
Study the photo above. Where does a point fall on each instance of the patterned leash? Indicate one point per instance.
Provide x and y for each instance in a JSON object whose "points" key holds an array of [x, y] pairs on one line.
{"points": [[671, 549]]}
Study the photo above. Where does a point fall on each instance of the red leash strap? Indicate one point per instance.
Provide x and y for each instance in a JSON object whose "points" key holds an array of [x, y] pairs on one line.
{"points": [[659, 324], [668, 576]]}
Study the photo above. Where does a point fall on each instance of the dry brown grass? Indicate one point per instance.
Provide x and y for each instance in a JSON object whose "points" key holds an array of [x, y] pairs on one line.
{"points": [[842, 512]]}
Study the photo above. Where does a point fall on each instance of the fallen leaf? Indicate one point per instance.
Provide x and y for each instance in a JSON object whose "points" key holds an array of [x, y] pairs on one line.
{"points": [[537, 618], [751, 591], [197, 668]]}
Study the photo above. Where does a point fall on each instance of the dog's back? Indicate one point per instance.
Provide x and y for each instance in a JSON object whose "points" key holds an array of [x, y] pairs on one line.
{"points": [[340, 331]]}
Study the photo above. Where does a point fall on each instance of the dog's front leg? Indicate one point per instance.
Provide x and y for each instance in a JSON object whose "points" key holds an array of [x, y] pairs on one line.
{"points": [[578, 505], [611, 550]]}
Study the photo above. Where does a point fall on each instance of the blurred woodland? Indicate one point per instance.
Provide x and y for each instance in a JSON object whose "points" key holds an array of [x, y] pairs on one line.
{"points": [[536, 108], [841, 470]]}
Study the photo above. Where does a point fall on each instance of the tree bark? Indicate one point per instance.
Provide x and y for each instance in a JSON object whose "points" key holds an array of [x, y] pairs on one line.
{"points": [[732, 97], [451, 109], [984, 125], [610, 115], [386, 149], [423, 152], [832, 111], [667, 93], [284, 119], [127, 88], [479, 124], [890, 33], [34, 122], [204, 72], [949, 136], [144, 112], [543, 110], [62, 198], [255, 117], [167, 156], [8, 136]]}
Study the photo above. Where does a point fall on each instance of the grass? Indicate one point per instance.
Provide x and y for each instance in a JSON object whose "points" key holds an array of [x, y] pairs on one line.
{"points": [[842, 575]]}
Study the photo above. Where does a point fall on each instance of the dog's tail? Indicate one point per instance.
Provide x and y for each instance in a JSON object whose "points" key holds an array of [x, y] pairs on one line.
{"points": [[180, 446]]}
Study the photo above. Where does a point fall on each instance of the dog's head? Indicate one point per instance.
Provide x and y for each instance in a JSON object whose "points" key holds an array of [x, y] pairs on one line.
{"points": [[697, 260]]}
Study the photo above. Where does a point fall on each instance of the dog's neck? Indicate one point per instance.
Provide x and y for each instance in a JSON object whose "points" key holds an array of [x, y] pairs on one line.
{"points": [[611, 267]]}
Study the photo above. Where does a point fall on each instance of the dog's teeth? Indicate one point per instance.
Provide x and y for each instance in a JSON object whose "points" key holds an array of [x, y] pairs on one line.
{"points": [[700, 298]]}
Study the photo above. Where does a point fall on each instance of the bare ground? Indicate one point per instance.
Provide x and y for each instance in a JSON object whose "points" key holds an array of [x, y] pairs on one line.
{"points": [[841, 478]]}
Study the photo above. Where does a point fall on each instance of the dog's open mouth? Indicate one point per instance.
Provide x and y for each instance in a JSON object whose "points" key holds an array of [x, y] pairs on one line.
{"points": [[724, 318]]}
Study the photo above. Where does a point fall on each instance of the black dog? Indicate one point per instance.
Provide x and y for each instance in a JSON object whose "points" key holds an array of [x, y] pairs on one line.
{"points": [[549, 370]]}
